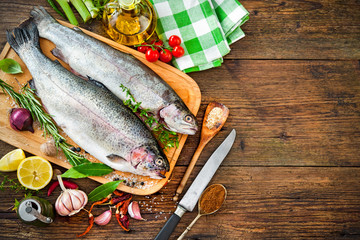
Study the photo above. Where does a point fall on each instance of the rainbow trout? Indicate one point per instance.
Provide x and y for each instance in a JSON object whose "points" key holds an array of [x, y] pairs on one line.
{"points": [[89, 57], [92, 117]]}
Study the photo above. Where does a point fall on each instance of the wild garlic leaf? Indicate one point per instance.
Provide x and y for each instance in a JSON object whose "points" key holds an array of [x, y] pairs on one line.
{"points": [[87, 170], [10, 66], [103, 191], [72, 173]]}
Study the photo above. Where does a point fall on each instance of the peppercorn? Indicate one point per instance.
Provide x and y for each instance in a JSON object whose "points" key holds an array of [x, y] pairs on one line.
{"points": [[142, 183], [78, 149], [73, 149], [116, 179], [61, 140]]}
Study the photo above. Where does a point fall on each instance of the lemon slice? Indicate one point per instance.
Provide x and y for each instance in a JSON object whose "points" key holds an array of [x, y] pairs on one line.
{"points": [[11, 160], [34, 172]]}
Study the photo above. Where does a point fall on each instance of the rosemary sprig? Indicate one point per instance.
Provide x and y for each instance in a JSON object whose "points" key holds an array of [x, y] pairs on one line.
{"points": [[168, 139], [26, 99]]}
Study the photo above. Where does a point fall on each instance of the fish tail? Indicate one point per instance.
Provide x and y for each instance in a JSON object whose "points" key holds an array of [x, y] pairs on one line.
{"points": [[25, 35], [40, 16]]}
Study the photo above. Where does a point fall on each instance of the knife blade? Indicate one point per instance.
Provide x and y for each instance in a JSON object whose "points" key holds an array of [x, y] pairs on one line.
{"points": [[192, 195]]}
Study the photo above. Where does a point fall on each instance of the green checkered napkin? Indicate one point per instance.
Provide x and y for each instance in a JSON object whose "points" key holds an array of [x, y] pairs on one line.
{"points": [[206, 28]]}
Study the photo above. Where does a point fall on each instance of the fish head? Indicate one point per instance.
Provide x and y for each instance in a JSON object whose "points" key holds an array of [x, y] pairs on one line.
{"points": [[149, 161], [178, 118]]}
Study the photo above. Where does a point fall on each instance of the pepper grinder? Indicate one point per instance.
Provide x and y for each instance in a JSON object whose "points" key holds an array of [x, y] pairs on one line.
{"points": [[36, 211]]}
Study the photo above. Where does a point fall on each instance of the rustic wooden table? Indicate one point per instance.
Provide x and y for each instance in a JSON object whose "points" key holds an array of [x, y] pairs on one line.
{"points": [[292, 87]]}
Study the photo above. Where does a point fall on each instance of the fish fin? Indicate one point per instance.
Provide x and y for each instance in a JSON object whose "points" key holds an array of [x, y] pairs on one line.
{"points": [[27, 34], [97, 83], [57, 53], [115, 158], [39, 14], [77, 29], [31, 83]]}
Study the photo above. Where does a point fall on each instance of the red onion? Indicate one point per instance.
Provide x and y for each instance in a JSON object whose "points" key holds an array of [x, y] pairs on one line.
{"points": [[21, 120]]}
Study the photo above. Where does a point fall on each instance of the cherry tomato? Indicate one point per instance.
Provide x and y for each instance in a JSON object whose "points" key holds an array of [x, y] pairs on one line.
{"points": [[143, 49], [157, 43], [178, 51], [174, 40], [165, 56], [152, 55]]}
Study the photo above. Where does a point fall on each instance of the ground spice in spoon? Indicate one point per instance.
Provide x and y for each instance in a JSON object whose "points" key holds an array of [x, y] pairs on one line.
{"points": [[212, 199]]}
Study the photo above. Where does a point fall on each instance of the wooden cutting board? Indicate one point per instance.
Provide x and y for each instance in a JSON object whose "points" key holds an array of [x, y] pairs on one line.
{"points": [[184, 86]]}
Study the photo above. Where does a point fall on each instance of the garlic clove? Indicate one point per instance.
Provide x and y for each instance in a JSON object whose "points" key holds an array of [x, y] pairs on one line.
{"points": [[76, 199], [103, 218], [60, 208], [134, 211], [66, 200], [79, 200]]}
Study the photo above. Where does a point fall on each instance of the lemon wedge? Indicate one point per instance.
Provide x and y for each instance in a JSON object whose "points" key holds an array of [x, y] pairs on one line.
{"points": [[11, 160], [34, 172]]}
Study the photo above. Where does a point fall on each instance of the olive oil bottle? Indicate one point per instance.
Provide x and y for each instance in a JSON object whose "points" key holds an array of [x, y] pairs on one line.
{"points": [[129, 22]]}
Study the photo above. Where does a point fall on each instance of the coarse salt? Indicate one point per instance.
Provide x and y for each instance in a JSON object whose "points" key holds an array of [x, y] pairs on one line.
{"points": [[214, 117]]}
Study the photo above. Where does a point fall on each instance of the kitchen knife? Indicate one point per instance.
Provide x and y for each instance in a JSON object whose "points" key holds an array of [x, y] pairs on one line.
{"points": [[192, 195]]}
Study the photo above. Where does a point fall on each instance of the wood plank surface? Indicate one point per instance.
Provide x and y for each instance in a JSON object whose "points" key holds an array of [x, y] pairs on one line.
{"points": [[262, 203], [293, 113], [318, 29], [293, 90]]}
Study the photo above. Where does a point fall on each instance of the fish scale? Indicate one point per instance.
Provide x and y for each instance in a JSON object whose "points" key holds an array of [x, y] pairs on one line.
{"points": [[92, 117], [88, 56]]}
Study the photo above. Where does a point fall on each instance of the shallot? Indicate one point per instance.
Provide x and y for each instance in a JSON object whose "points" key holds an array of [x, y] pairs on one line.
{"points": [[21, 120]]}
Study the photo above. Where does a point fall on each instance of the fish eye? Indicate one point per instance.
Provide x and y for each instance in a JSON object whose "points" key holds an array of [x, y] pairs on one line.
{"points": [[159, 162], [188, 118]]}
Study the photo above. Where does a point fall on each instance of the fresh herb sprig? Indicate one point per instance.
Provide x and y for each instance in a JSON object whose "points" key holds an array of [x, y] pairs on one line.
{"points": [[100, 5], [26, 99], [168, 139], [17, 202], [8, 183]]}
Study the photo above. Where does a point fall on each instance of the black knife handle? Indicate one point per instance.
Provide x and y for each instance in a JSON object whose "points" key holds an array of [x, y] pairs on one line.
{"points": [[168, 228]]}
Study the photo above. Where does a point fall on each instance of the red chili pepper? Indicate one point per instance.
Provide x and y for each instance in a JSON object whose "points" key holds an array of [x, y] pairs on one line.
{"points": [[52, 187], [91, 223], [116, 200], [124, 207], [125, 222], [122, 221], [99, 202], [67, 184], [118, 193]]}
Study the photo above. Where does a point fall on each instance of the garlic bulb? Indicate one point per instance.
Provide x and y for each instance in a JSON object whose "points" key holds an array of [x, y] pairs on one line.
{"points": [[70, 201]]}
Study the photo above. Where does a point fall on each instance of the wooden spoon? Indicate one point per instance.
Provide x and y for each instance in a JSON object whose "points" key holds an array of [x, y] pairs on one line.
{"points": [[209, 195], [215, 117]]}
